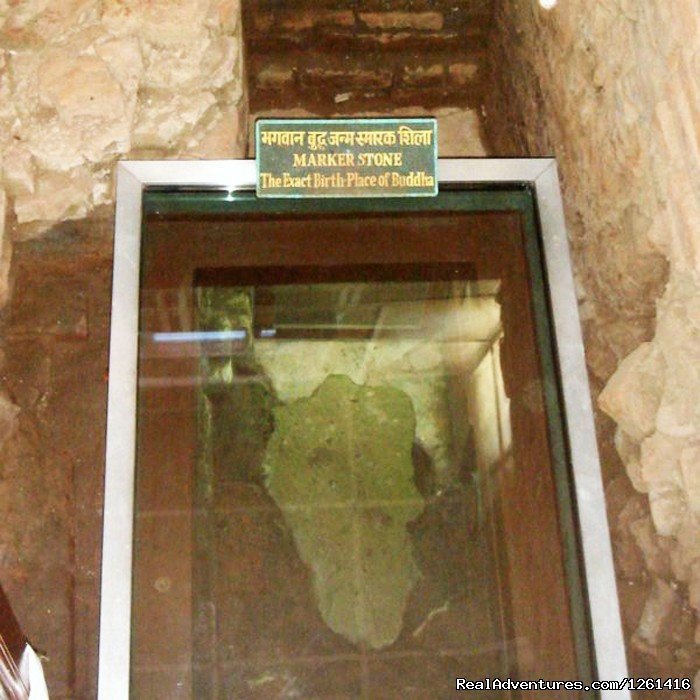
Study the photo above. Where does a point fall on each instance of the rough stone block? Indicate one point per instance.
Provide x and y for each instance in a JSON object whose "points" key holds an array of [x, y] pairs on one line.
{"points": [[657, 614], [275, 76], [679, 413], [225, 138], [76, 101], [668, 510], [659, 456], [207, 63], [160, 22], [339, 466], [5, 252], [18, 170], [79, 87], [462, 74], [653, 548], [8, 418], [423, 75], [690, 469], [224, 15], [51, 22], [459, 133], [422, 21], [162, 118], [629, 452], [300, 21], [633, 393], [58, 196], [317, 73]]}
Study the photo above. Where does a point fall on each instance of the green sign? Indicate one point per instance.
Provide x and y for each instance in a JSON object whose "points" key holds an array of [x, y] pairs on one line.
{"points": [[346, 157]]}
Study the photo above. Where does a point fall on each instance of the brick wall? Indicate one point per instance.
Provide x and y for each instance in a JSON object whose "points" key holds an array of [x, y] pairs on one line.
{"points": [[351, 55]]}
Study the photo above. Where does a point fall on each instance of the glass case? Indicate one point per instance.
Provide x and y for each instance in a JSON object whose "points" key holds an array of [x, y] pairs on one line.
{"points": [[352, 470]]}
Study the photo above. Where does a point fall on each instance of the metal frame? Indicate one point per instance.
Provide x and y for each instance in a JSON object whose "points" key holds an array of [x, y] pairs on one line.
{"points": [[541, 174]]}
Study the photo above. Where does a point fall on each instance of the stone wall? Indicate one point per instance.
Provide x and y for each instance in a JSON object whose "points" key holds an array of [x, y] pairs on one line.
{"points": [[612, 89], [85, 82]]}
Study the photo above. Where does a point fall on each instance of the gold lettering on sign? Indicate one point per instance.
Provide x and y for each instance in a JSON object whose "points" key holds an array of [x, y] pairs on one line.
{"points": [[283, 138], [376, 138], [341, 138], [323, 160], [414, 137], [317, 140]]}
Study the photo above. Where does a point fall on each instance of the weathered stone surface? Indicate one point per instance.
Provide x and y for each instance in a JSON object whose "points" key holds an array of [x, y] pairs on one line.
{"points": [[459, 133], [617, 102], [160, 22], [654, 550], [5, 252], [224, 15], [630, 454], [163, 118], [660, 461], [633, 394], [57, 196], [609, 341], [402, 20], [658, 614], [8, 418], [684, 547], [275, 76], [47, 21], [668, 509], [18, 170], [339, 466], [203, 63], [403, 364], [86, 82], [225, 135], [629, 560], [461, 73], [690, 470], [78, 86], [426, 76]]}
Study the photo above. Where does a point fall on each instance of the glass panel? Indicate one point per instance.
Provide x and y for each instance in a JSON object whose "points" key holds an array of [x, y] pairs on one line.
{"points": [[345, 485]]}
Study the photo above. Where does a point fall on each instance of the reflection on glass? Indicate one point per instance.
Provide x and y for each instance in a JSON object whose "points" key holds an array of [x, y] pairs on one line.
{"points": [[345, 485], [345, 411]]}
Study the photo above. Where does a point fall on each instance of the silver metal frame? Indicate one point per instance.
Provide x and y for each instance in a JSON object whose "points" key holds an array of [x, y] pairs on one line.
{"points": [[132, 177]]}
